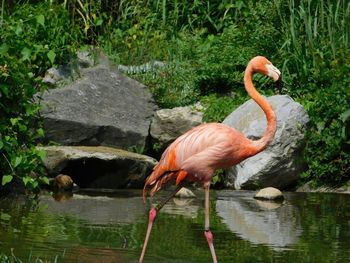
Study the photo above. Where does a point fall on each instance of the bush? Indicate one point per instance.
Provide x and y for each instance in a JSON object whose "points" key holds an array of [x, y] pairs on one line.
{"points": [[316, 62], [29, 45]]}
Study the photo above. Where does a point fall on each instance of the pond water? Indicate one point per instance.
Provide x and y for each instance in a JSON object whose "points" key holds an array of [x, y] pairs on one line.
{"points": [[110, 227]]}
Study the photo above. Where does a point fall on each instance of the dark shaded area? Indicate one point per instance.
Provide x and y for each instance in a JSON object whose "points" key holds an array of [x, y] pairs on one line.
{"points": [[15, 187], [97, 173]]}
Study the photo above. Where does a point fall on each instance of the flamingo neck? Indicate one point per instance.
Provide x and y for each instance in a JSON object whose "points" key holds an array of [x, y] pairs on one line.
{"points": [[269, 133]]}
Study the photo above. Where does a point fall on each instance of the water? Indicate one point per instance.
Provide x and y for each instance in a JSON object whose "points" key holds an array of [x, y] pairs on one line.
{"points": [[110, 227]]}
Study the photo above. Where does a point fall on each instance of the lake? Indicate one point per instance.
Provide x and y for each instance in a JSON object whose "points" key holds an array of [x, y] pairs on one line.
{"points": [[110, 227]]}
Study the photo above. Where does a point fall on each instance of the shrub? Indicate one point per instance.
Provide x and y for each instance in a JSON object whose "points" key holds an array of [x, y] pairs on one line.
{"points": [[316, 62], [29, 45]]}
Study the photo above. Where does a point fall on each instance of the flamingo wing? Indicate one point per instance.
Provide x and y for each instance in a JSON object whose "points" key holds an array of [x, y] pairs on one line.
{"points": [[196, 155]]}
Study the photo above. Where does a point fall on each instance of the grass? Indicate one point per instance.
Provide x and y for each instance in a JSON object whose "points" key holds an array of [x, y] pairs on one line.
{"points": [[11, 258]]}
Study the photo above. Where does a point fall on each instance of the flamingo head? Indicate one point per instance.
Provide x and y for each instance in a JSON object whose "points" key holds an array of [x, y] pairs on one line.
{"points": [[262, 65]]}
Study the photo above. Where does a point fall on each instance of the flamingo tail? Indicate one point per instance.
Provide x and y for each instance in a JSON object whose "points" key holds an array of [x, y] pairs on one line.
{"points": [[155, 181]]}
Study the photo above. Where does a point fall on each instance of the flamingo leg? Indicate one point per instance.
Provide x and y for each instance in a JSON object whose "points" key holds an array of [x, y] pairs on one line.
{"points": [[207, 233], [152, 216]]}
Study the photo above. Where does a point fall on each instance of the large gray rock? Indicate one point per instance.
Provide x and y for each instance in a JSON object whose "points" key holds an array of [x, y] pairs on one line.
{"points": [[98, 167], [279, 165], [168, 124], [103, 107]]}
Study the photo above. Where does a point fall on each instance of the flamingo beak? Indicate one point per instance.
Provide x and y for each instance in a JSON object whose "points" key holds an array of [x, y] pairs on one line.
{"points": [[279, 84], [273, 72], [276, 75]]}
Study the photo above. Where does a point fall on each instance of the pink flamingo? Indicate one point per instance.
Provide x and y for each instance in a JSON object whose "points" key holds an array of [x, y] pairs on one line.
{"points": [[196, 155]]}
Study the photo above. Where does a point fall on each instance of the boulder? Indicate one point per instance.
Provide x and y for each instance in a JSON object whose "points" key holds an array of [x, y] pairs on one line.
{"points": [[98, 167], [279, 165], [102, 107], [185, 193], [269, 193], [168, 124]]}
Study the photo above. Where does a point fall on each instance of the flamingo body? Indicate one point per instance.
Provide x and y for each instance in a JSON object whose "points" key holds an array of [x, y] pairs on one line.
{"points": [[199, 152]]}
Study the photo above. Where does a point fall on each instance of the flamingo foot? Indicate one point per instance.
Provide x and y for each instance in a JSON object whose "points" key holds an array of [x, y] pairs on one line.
{"points": [[210, 238], [151, 217]]}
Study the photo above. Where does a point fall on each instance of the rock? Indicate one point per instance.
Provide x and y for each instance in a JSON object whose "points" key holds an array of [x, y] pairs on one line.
{"points": [[103, 107], [98, 167], [62, 182], [311, 188], [279, 165], [269, 193], [185, 193], [85, 58], [64, 73], [55, 75], [168, 124]]}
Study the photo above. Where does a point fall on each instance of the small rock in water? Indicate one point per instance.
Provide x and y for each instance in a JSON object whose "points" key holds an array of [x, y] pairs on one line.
{"points": [[185, 193], [63, 182], [269, 193]]}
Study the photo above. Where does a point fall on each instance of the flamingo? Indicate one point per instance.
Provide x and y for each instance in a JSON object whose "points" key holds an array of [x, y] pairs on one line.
{"points": [[195, 155]]}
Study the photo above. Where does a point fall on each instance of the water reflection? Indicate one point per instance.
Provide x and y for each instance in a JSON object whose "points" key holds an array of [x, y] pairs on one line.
{"points": [[111, 228], [260, 222], [181, 206], [97, 209]]}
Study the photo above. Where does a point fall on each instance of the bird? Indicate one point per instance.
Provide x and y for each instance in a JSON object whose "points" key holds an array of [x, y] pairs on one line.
{"points": [[198, 153]]}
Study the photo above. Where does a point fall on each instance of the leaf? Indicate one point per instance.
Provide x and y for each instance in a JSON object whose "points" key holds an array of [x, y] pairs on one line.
{"points": [[1, 143], [6, 179], [14, 121], [320, 126], [17, 161], [4, 49], [26, 180], [35, 184], [5, 216], [345, 115], [26, 52], [44, 180], [41, 154], [51, 55], [40, 19], [99, 22], [40, 132], [4, 90], [215, 179], [18, 30]]}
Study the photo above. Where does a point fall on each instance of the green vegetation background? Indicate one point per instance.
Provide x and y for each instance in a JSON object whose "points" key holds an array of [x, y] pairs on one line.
{"points": [[205, 45]]}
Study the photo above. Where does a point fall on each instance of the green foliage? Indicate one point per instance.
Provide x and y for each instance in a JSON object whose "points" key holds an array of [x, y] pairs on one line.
{"points": [[316, 62], [29, 45], [217, 108], [328, 146]]}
